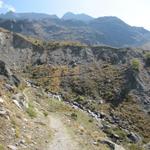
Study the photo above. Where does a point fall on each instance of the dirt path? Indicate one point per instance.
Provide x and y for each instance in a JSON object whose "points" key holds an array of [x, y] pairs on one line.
{"points": [[61, 140]]}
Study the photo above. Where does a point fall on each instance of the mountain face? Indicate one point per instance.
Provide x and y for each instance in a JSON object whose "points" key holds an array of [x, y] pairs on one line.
{"points": [[117, 31], [79, 17], [101, 31]]}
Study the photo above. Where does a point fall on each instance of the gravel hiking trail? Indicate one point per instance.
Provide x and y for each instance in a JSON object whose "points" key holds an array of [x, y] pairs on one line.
{"points": [[62, 140]]}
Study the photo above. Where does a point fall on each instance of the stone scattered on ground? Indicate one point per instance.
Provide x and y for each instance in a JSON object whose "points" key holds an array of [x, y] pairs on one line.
{"points": [[146, 146], [20, 101], [12, 147], [1, 100], [3, 112], [112, 145]]}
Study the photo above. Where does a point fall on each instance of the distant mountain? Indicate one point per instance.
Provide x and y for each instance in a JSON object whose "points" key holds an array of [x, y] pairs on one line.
{"points": [[116, 32], [32, 16], [81, 17], [110, 30]]}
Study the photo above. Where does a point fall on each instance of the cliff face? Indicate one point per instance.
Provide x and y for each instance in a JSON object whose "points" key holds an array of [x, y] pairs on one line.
{"points": [[17, 51], [15, 48]]}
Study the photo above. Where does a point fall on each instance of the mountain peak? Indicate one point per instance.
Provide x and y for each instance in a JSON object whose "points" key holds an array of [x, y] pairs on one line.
{"points": [[80, 17]]}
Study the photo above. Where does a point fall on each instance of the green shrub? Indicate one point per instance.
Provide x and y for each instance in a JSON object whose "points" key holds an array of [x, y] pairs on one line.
{"points": [[135, 147], [17, 132], [45, 113], [74, 116], [1, 147], [91, 106], [120, 133], [90, 120], [135, 64], [31, 111], [79, 99]]}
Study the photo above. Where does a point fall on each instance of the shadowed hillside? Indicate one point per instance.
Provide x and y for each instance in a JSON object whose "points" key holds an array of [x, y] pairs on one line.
{"points": [[76, 27]]}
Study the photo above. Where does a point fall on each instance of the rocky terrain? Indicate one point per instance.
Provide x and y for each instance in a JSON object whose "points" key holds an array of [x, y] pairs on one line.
{"points": [[99, 93], [76, 27]]}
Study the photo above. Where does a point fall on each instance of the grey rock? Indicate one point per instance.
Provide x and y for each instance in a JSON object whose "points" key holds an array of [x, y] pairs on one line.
{"points": [[134, 137], [112, 145], [146, 146], [9, 87], [4, 112], [106, 126], [1, 100], [12, 147], [17, 104], [20, 101], [4, 70], [95, 143], [22, 141], [115, 136]]}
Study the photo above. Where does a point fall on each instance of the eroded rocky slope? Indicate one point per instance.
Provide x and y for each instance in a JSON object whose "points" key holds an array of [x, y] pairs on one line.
{"points": [[111, 83]]}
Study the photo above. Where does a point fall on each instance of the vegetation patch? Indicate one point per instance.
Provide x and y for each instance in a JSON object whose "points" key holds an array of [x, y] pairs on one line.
{"points": [[135, 64], [45, 113], [1, 147], [117, 131], [135, 147], [74, 116], [31, 111]]}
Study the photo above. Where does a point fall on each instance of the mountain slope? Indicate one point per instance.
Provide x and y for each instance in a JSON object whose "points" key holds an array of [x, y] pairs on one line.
{"points": [[101, 31], [118, 32]]}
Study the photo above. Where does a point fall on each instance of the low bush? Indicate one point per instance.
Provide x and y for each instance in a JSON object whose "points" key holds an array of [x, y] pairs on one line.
{"points": [[135, 64], [135, 147], [45, 113], [74, 116], [79, 99], [31, 111], [1, 147]]}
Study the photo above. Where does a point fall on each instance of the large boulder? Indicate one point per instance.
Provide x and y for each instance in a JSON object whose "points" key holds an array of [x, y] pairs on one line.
{"points": [[20, 101], [5, 71], [134, 137]]}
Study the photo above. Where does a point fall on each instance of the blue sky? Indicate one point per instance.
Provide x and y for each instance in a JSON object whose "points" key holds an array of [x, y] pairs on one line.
{"points": [[134, 12]]}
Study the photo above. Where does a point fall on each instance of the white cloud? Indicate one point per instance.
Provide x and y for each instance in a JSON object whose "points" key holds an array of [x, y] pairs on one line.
{"points": [[6, 7], [9, 8], [1, 4]]}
